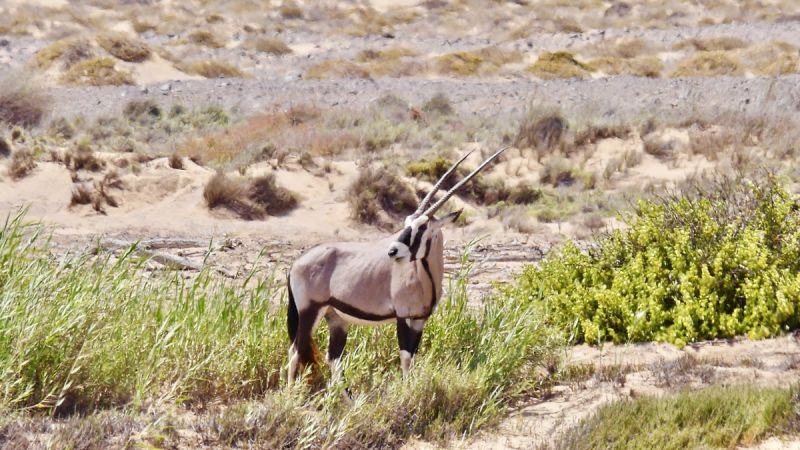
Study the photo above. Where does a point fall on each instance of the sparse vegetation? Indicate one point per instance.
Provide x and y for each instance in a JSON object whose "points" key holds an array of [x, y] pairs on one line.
{"points": [[97, 72], [205, 38], [559, 65], [69, 51], [276, 200], [210, 68], [124, 48], [250, 199], [273, 46], [22, 101], [459, 63], [335, 68], [718, 417], [21, 164], [707, 64], [376, 190]]}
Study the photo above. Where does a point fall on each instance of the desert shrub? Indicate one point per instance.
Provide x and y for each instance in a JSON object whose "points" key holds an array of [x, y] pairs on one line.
{"points": [[593, 133], [459, 63], [22, 102], [523, 194], [97, 72], [640, 66], [771, 58], [291, 10], [21, 164], [558, 171], [175, 161], [69, 51], [210, 68], [142, 111], [714, 265], [707, 64], [61, 127], [124, 48], [83, 157], [541, 132], [231, 193], [335, 68], [716, 417], [711, 44], [273, 46], [477, 189], [380, 189], [205, 38], [275, 200], [551, 66], [439, 104], [388, 54]]}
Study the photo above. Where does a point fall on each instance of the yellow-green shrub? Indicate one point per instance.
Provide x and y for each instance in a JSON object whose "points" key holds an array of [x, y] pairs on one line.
{"points": [[684, 270]]}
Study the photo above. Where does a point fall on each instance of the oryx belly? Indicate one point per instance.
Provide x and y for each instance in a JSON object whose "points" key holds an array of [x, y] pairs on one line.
{"points": [[353, 320]]}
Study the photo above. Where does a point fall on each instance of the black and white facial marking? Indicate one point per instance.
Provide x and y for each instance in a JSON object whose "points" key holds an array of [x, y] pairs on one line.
{"points": [[413, 242]]}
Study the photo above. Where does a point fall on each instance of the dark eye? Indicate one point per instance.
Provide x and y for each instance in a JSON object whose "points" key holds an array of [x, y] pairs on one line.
{"points": [[393, 251]]}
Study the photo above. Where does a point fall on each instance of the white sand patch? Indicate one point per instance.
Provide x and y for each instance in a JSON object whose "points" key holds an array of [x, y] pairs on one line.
{"points": [[156, 70]]}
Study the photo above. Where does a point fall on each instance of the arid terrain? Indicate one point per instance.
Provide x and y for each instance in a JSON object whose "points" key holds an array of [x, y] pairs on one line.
{"points": [[236, 134]]}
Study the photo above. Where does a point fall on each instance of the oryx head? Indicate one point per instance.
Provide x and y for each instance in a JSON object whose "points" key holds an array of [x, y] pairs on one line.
{"points": [[422, 228]]}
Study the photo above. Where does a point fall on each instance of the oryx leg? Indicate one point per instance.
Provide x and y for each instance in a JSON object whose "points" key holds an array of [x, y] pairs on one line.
{"points": [[302, 349], [409, 333], [338, 338]]}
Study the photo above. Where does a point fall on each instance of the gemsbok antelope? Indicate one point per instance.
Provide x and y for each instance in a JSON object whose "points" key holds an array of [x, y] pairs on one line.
{"points": [[396, 279]]}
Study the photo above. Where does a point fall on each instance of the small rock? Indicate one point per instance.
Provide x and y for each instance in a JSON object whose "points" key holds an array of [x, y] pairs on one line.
{"points": [[165, 87], [144, 90], [4, 43]]}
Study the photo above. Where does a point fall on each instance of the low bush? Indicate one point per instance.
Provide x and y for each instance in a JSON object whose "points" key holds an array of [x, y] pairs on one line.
{"points": [[69, 51], [715, 265], [205, 38], [97, 72], [335, 68], [22, 101], [379, 189], [210, 68], [124, 48], [250, 199], [551, 66], [273, 46], [459, 63], [21, 164], [707, 64], [265, 192]]}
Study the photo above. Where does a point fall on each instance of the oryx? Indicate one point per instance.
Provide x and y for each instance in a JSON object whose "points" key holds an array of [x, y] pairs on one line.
{"points": [[398, 278]]}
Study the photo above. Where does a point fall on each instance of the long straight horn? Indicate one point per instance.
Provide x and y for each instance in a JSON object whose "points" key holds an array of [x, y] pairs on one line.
{"points": [[452, 191], [424, 203]]}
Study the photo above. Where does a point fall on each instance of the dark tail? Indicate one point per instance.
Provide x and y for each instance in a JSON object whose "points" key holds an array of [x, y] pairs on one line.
{"points": [[292, 318]]}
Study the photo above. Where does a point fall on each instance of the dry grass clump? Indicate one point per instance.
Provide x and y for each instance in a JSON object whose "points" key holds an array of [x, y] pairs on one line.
{"points": [[83, 157], [594, 133], [640, 66], [291, 10], [439, 104], [265, 192], [142, 111], [659, 147], [175, 161], [97, 72], [98, 194], [376, 190], [707, 64], [388, 54], [250, 199], [496, 56], [69, 51], [21, 164], [210, 68], [124, 48], [551, 66], [273, 46], [205, 38], [541, 132], [710, 44], [335, 68], [230, 193], [459, 63], [771, 58], [558, 171], [22, 102]]}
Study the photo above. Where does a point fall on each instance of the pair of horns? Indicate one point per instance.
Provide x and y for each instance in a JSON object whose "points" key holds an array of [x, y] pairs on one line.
{"points": [[421, 211]]}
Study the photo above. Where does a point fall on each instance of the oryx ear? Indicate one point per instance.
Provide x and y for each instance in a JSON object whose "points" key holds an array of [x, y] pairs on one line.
{"points": [[449, 218]]}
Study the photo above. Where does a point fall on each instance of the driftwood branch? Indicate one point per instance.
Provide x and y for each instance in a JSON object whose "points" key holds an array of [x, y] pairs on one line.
{"points": [[166, 259]]}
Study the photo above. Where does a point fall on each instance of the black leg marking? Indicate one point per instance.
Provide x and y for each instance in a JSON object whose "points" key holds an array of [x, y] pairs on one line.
{"points": [[303, 341], [407, 337], [338, 332]]}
